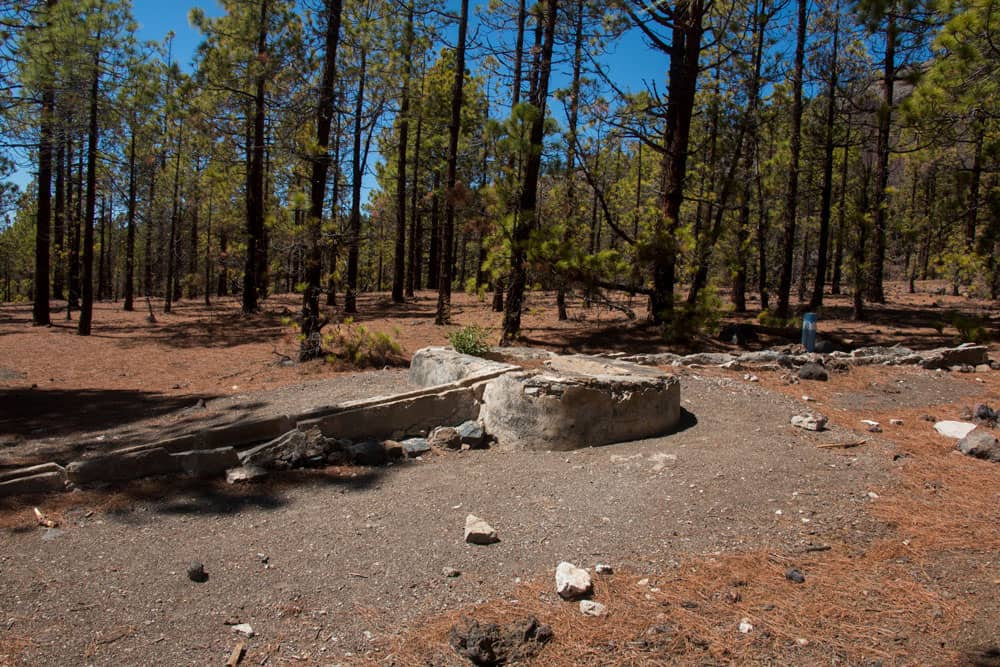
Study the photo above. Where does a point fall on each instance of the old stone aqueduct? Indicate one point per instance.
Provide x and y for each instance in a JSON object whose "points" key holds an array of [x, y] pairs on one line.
{"points": [[538, 401]]}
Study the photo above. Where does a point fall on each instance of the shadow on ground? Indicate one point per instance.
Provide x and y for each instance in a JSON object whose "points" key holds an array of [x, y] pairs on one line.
{"points": [[41, 413]]}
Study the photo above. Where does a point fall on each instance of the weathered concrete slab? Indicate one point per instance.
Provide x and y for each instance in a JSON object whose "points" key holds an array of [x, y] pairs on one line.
{"points": [[396, 419], [580, 402], [433, 366], [31, 470], [247, 431], [44, 482], [123, 467], [207, 462]]}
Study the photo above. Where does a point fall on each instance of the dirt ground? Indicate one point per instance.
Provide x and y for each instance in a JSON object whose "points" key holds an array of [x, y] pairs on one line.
{"points": [[897, 536]]}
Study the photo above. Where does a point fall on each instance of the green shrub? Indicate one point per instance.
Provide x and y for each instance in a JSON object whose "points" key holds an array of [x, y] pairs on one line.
{"points": [[355, 344], [971, 329], [470, 340], [769, 319], [691, 320]]}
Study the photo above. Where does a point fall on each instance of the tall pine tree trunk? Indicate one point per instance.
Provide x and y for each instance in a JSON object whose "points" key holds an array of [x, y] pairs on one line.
{"points": [[59, 227], [826, 194], [443, 314], [357, 172], [256, 252], [43, 216], [87, 287], [399, 256], [795, 149], [311, 322], [528, 204], [879, 202]]}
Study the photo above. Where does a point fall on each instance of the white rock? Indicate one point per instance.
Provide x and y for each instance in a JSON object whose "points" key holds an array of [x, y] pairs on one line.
{"points": [[572, 581], [244, 629], [896, 422], [953, 429], [810, 421], [869, 422], [591, 608], [478, 531], [746, 626], [603, 568]]}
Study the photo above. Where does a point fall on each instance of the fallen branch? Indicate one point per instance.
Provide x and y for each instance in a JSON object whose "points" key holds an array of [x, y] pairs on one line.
{"points": [[43, 520], [844, 445], [237, 655]]}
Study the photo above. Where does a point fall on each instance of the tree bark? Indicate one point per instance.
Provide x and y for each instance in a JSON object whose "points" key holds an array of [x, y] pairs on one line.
{"points": [[351, 295], [526, 218], [311, 322], [399, 256], [443, 314], [795, 149], [879, 203], [256, 254], [87, 305], [40, 315], [826, 195]]}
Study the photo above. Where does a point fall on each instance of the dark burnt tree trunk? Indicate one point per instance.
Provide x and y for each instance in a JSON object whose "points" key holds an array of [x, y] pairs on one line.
{"points": [[40, 315], [76, 224], [87, 287], [684, 49], [130, 229], [399, 255], [311, 322], [357, 173], [413, 264], [826, 194], [59, 225], [168, 288], [256, 257], [795, 150], [527, 214], [879, 200], [443, 314]]}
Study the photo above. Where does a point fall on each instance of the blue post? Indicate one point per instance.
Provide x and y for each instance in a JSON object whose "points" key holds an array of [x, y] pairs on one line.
{"points": [[809, 331]]}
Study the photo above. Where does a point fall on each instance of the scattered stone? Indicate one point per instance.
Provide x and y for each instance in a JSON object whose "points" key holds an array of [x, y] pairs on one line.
{"points": [[603, 568], [823, 346], [745, 626], [795, 575], [591, 608], [478, 531], [896, 422], [985, 413], [491, 644], [812, 371], [244, 629], [293, 449], [572, 581], [367, 453], [954, 429], [750, 377], [967, 354], [445, 437], [733, 596], [929, 418], [196, 572], [472, 434], [981, 444], [983, 368], [248, 473], [704, 359], [810, 421], [450, 572], [393, 449], [414, 447]]}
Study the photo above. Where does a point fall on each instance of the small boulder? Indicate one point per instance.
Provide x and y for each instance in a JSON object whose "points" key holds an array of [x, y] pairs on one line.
{"points": [[445, 437], [414, 447], [572, 581], [491, 644], [472, 434], [591, 608], [393, 449], [794, 575], [954, 429], [980, 443], [367, 453], [810, 421], [811, 371], [478, 531], [823, 346], [196, 572], [985, 413]]}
